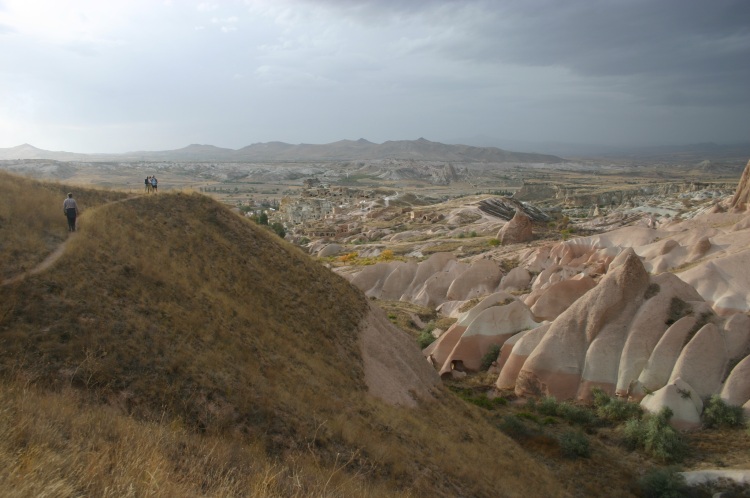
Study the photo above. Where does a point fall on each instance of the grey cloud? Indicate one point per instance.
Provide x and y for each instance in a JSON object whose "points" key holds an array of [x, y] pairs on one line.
{"points": [[649, 46]]}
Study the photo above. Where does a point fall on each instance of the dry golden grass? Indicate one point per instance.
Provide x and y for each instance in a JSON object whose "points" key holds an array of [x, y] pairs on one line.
{"points": [[51, 445], [32, 221], [169, 316]]}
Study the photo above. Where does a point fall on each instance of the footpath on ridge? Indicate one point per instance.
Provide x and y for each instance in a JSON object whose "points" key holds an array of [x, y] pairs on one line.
{"points": [[55, 255]]}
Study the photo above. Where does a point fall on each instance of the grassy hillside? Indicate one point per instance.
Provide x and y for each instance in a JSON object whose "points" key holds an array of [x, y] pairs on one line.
{"points": [[172, 325], [32, 223]]}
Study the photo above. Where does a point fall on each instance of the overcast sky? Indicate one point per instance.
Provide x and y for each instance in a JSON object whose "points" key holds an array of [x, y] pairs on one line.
{"points": [[124, 75]]}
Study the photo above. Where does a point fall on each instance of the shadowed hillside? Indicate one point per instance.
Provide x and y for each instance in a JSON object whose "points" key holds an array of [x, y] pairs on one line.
{"points": [[172, 311]]}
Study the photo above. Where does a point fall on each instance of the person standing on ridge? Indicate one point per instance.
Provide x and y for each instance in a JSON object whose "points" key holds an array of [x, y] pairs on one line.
{"points": [[148, 184], [70, 208], [154, 183]]}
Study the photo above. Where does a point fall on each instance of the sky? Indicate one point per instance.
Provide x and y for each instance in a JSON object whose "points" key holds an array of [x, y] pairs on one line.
{"points": [[126, 75]]}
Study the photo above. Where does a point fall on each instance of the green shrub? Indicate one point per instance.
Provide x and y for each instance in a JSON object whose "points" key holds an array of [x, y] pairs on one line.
{"points": [[528, 416], [493, 242], [424, 339], [574, 444], [278, 228], [485, 402], [513, 426], [663, 483], [614, 409], [571, 412], [490, 357], [654, 434], [549, 421], [479, 399], [576, 414], [547, 406], [717, 414]]}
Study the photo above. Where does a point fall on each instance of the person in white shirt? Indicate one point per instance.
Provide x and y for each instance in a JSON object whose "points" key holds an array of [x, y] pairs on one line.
{"points": [[70, 208]]}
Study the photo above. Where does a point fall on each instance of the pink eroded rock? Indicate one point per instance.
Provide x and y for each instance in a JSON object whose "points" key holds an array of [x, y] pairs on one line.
{"points": [[398, 280], [736, 390], [737, 336], [742, 195], [522, 348], [552, 275], [559, 296], [507, 348], [699, 249], [481, 279], [669, 302], [433, 291], [557, 365], [682, 399], [667, 246], [492, 326], [517, 230], [438, 262], [371, 279], [703, 361], [658, 369], [443, 346], [517, 279]]}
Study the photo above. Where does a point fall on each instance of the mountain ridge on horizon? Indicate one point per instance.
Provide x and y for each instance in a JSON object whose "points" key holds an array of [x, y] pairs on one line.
{"points": [[420, 149], [342, 150]]}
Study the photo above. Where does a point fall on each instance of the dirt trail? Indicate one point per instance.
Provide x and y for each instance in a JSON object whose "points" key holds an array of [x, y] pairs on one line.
{"points": [[56, 254], [48, 261]]}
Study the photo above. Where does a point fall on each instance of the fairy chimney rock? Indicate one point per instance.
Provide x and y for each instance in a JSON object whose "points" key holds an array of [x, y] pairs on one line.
{"points": [[517, 230], [742, 195]]}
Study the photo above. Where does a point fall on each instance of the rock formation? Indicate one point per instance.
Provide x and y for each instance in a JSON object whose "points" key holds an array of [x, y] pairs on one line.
{"points": [[516, 230], [742, 195], [581, 349], [681, 398], [493, 326]]}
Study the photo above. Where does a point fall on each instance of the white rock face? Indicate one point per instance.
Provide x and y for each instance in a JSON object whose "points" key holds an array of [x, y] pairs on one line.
{"points": [[658, 368], [492, 326], [649, 325], [682, 399], [560, 365], [521, 350], [517, 279], [703, 361], [736, 390], [430, 283], [633, 311]]}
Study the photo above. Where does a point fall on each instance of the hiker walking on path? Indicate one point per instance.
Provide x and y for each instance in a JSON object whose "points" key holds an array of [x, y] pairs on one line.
{"points": [[70, 208]]}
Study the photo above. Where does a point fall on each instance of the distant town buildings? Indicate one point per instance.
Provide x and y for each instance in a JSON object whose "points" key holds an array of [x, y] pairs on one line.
{"points": [[324, 211]]}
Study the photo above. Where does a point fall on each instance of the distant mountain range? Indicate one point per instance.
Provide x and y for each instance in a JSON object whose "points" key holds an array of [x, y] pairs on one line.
{"points": [[343, 150]]}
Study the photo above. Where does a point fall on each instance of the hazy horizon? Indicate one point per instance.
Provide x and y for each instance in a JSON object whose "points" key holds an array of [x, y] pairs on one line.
{"points": [[140, 75]]}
